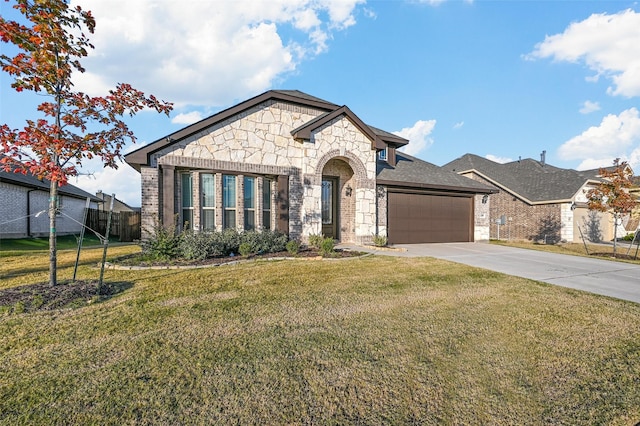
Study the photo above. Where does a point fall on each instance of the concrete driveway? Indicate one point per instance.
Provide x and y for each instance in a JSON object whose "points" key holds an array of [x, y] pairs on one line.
{"points": [[615, 279]]}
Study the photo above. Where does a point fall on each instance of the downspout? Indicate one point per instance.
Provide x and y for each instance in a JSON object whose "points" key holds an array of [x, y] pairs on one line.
{"points": [[29, 212]]}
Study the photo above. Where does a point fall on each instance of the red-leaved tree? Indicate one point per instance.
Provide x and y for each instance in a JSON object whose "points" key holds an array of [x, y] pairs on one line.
{"points": [[73, 126], [612, 194]]}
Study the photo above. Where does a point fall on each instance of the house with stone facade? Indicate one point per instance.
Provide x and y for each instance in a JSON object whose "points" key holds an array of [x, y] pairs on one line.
{"points": [[537, 201], [285, 160], [25, 202]]}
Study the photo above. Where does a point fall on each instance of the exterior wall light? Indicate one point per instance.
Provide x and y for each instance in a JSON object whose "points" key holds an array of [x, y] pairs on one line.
{"points": [[485, 198], [348, 190]]}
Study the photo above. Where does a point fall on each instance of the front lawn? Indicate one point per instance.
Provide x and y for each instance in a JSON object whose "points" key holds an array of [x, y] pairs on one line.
{"points": [[376, 340]]}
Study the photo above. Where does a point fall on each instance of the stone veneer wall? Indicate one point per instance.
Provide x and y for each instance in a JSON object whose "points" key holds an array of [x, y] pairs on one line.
{"points": [[343, 140], [258, 142], [481, 221], [524, 221]]}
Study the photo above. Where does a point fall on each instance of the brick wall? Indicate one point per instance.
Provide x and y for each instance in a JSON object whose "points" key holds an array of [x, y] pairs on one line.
{"points": [[13, 212], [523, 221]]}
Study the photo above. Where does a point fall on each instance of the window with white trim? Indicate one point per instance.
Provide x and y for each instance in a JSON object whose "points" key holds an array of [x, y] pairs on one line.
{"points": [[187, 200], [249, 203], [208, 189], [266, 203], [229, 201]]}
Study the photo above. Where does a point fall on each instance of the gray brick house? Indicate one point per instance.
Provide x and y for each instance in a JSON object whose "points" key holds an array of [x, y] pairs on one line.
{"points": [[289, 161], [24, 201], [537, 201]]}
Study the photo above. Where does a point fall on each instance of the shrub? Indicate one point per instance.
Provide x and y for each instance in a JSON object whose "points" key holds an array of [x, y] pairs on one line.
{"points": [[200, 245], [245, 249], [316, 240], [327, 247], [163, 243], [229, 241], [293, 247], [379, 240]]}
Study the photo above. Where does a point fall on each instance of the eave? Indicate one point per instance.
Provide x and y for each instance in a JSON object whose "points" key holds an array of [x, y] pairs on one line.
{"points": [[142, 156]]}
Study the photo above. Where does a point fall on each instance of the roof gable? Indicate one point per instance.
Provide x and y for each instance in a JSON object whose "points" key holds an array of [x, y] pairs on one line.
{"points": [[530, 180], [304, 132], [141, 155], [380, 139]]}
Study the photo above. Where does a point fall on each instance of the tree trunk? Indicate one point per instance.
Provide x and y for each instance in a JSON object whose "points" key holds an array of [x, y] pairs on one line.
{"points": [[53, 209]]}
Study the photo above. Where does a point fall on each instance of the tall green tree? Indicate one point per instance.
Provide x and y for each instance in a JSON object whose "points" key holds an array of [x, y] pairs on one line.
{"points": [[612, 194], [50, 42]]}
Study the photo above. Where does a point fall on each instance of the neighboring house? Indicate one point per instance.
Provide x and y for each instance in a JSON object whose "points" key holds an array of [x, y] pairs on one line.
{"points": [[25, 202], [118, 206], [537, 201], [289, 161]]}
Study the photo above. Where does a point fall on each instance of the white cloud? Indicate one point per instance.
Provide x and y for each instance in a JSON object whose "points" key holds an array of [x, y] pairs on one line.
{"points": [[187, 118], [607, 44], [206, 53], [617, 136], [498, 159], [418, 136], [123, 181], [458, 125], [589, 107]]}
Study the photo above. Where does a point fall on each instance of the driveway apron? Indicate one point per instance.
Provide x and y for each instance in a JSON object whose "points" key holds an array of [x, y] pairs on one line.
{"points": [[608, 278]]}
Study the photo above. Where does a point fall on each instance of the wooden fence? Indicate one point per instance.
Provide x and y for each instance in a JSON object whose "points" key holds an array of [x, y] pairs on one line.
{"points": [[125, 225]]}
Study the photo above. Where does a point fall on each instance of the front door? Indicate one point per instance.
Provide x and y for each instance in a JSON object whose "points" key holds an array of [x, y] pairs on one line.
{"points": [[330, 207]]}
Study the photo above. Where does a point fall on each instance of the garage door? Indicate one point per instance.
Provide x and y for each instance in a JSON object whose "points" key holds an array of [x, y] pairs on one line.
{"points": [[427, 218]]}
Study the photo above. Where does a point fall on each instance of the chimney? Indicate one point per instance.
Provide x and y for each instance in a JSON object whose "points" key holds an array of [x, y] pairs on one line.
{"points": [[543, 156]]}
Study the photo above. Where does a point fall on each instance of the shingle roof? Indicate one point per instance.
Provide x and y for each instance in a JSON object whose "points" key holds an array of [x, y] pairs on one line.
{"points": [[33, 182], [302, 95], [412, 171], [527, 178]]}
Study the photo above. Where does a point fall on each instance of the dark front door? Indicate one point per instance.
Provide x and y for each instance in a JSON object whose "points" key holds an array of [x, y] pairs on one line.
{"points": [[330, 207]]}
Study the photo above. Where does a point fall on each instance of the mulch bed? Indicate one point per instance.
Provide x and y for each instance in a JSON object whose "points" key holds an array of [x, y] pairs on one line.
{"points": [[134, 259], [42, 296]]}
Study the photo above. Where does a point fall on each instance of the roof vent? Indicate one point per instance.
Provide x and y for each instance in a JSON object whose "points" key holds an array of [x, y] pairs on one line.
{"points": [[543, 156]]}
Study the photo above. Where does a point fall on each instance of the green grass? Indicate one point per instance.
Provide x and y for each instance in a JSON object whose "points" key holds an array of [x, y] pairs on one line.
{"points": [[377, 340], [63, 242]]}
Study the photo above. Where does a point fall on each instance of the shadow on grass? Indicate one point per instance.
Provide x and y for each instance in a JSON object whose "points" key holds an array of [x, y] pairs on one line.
{"points": [[68, 294]]}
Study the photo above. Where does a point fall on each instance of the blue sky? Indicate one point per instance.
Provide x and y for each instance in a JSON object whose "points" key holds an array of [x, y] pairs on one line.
{"points": [[501, 79]]}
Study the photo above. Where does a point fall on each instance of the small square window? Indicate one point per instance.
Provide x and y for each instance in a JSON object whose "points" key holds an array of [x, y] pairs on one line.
{"points": [[382, 155]]}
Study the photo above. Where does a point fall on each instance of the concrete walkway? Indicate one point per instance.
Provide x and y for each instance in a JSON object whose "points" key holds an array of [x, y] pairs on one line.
{"points": [[609, 278]]}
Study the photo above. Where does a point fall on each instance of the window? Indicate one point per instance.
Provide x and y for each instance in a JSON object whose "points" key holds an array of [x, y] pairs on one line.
{"points": [[229, 201], [249, 203], [266, 203], [208, 202], [187, 201], [327, 202], [382, 155]]}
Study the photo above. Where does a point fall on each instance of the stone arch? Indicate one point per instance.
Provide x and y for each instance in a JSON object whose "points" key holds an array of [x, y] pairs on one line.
{"points": [[354, 162]]}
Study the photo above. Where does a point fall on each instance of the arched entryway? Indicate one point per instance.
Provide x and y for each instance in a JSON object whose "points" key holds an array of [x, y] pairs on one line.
{"points": [[338, 200]]}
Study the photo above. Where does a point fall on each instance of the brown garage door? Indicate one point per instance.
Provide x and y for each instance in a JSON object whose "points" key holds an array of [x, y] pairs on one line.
{"points": [[428, 218]]}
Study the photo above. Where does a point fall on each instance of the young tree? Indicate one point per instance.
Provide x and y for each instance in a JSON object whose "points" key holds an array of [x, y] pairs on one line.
{"points": [[612, 194], [74, 126]]}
